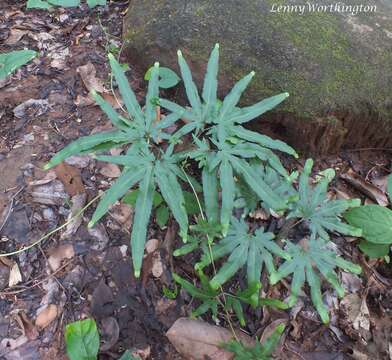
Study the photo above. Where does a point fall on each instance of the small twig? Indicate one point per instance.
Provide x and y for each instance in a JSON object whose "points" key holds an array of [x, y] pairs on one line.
{"points": [[53, 231], [11, 204]]}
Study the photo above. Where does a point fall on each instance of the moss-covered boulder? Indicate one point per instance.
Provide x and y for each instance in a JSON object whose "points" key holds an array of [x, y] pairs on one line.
{"points": [[336, 65]]}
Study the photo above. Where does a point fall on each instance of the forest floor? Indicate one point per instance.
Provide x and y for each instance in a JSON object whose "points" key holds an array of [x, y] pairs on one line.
{"points": [[80, 272]]}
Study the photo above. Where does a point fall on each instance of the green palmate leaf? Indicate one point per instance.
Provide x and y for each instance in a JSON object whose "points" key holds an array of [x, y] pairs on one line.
{"points": [[9, 62], [228, 191], [375, 222], [243, 248], [82, 340], [128, 179], [210, 191], [85, 144], [126, 92], [304, 258], [172, 193], [167, 77], [322, 214], [258, 351], [94, 3], [374, 250], [141, 219]]}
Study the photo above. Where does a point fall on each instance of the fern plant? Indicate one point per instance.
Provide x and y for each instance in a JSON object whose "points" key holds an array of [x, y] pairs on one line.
{"points": [[223, 146], [305, 258], [252, 250], [320, 213], [144, 165]]}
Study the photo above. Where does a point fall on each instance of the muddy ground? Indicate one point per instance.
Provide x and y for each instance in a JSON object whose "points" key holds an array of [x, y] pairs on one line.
{"points": [[76, 272]]}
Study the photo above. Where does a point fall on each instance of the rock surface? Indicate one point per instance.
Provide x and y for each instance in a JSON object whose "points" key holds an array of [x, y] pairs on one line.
{"points": [[337, 67]]}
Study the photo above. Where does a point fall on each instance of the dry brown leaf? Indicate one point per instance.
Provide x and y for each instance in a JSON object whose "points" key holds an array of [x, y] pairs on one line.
{"points": [[46, 316], [88, 74], [151, 245], [29, 330], [197, 340], [71, 178], [59, 254], [15, 275], [122, 213], [110, 170], [357, 313], [157, 265], [78, 201], [373, 192], [269, 329], [15, 36]]}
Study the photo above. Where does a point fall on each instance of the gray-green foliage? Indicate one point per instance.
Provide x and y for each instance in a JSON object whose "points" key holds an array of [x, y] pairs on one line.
{"points": [[47, 4], [304, 259], [320, 213], [9, 62]]}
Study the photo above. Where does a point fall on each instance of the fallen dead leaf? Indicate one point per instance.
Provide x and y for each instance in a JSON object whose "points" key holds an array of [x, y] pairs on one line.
{"points": [[71, 178], [152, 245], [15, 275], [59, 254], [157, 265], [110, 332], [46, 316], [110, 170], [88, 74], [29, 330], [373, 192], [269, 329], [143, 354], [51, 193], [197, 340], [122, 213], [357, 313]]}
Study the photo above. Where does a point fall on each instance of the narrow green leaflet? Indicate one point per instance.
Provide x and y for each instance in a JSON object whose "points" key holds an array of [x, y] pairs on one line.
{"points": [[210, 192], [9, 62], [37, 4], [375, 222], [172, 193], [64, 3], [128, 179], [126, 92], [141, 219], [162, 216], [254, 250], [310, 255], [82, 340], [152, 95], [228, 191], [210, 86], [86, 143]]}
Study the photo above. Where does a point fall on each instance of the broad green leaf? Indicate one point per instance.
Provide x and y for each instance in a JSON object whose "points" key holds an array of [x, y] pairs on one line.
{"points": [[233, 97], [86, 143], [191, 203], [82, 340], [172, 193], [131, 198], [167, 77], [375, 222], [190, 87], [128, 356], [210, 192], [37, 4], [142, 216], [13, 60], [126, 92], [251, 112], [162, 216], [94, 3], [64, 3], [374, 250], [210, 86], [120, 187], [117, 121], [228, 190]]}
